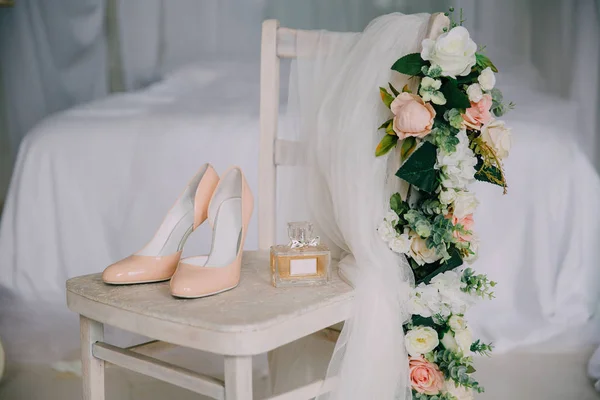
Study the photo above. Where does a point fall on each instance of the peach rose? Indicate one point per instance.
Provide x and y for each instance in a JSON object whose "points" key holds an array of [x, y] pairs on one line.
{"points": [[467, 222], [425, 377], [479, 114], [412, 116]]}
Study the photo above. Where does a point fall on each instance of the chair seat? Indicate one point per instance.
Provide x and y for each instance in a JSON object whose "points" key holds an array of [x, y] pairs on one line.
{"points": [[253, 318]]}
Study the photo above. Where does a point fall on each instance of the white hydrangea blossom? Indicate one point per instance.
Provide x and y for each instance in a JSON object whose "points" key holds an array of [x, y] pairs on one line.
{"points": [[453, 299], [458, 167], [400, 244], [386, 231], [424, 301]]}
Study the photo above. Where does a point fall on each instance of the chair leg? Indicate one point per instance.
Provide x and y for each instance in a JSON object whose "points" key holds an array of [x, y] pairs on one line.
{"points": [[92, 368], [238, 378]]}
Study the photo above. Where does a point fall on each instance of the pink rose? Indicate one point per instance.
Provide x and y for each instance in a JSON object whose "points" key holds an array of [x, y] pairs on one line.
{"points": [[479, 113], [425, 377], [412, 116], [468, 223]]}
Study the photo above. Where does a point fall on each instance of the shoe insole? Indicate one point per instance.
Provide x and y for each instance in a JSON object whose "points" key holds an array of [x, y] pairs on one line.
{"points": [[227, 233], [173, 232]]}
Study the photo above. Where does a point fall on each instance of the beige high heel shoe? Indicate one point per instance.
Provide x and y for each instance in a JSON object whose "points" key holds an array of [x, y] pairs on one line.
{"points": [[229, 214], [158, 260]]}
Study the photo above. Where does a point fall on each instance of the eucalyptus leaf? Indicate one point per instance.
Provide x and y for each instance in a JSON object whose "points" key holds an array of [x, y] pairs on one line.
{"points": [[410, 64], [419, 170], [387, 143]]}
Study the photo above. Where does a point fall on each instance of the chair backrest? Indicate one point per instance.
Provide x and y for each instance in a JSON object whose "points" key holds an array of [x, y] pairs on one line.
{"points": [[280, 43]]}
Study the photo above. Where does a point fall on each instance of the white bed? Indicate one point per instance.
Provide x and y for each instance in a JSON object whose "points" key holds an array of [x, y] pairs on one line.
{"points": [[92, 184]]}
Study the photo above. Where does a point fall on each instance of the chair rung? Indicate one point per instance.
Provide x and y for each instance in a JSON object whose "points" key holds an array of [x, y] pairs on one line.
{"points": [[308, 391], [161, 370]]}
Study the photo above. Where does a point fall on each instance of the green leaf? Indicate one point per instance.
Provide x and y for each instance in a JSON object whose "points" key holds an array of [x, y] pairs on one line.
{"points": [[483, 62], [386, 124], [454, 262], [387, 143], [455, 98], [397, 204], [410, 64], [489, 174], [419, 170], [471, 369], [386, 97], [418, 320], [408, 146], [393, 89]]}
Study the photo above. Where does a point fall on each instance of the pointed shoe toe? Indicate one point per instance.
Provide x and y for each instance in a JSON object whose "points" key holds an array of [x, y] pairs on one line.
{"points": [[192, 280], [141, 269]]}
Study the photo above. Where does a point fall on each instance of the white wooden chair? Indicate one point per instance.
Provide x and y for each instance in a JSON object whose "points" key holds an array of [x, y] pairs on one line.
{"points": [[254, 318]]}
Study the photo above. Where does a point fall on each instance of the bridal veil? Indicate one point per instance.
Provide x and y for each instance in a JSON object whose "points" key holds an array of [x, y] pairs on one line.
{"points": [[344, 189]]}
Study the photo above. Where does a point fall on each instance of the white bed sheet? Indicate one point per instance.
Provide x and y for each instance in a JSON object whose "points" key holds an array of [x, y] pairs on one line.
{"points": [[92, 184]]}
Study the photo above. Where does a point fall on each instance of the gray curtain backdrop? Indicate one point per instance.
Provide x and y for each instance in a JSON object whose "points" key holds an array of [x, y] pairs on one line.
{"points": [[58, 53]]}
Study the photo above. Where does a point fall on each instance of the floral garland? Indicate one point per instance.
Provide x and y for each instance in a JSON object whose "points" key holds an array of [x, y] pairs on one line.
{"points": [[448, 137]]}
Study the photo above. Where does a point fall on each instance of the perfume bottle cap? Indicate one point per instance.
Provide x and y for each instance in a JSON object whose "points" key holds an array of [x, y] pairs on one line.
{"points": [[301, 235]]}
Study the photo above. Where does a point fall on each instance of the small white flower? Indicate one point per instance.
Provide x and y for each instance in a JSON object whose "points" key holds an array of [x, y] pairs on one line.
{"points": [[457, 323], [392, 217], [430, 91], [386, 231], [453, 51], [475, 93], [447, 196], [465, 203], [400, 244], [487, 79], [458, 391], [496, 135], [421, 340], [449, 342], [464, 339]]}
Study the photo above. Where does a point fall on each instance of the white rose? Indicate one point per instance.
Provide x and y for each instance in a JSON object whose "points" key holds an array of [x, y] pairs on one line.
{"points": [[420, 253], [453, 52], [447, 196], [496, 135], [487, 79], [464, 339], [400, 244], [475, 93], [459, 392], [457, 323], [465, 203], [449, 342], [421, 340]]}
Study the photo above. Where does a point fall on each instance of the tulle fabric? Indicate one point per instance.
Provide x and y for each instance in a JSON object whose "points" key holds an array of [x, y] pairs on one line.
{"points": [[344, 189]]}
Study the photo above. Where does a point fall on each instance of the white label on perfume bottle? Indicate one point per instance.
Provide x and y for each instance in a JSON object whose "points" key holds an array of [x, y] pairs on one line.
{"points": [[305, 266]]}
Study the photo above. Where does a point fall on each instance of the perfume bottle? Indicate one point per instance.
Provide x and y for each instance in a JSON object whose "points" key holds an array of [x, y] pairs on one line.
{"points": [[303, 261]]}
